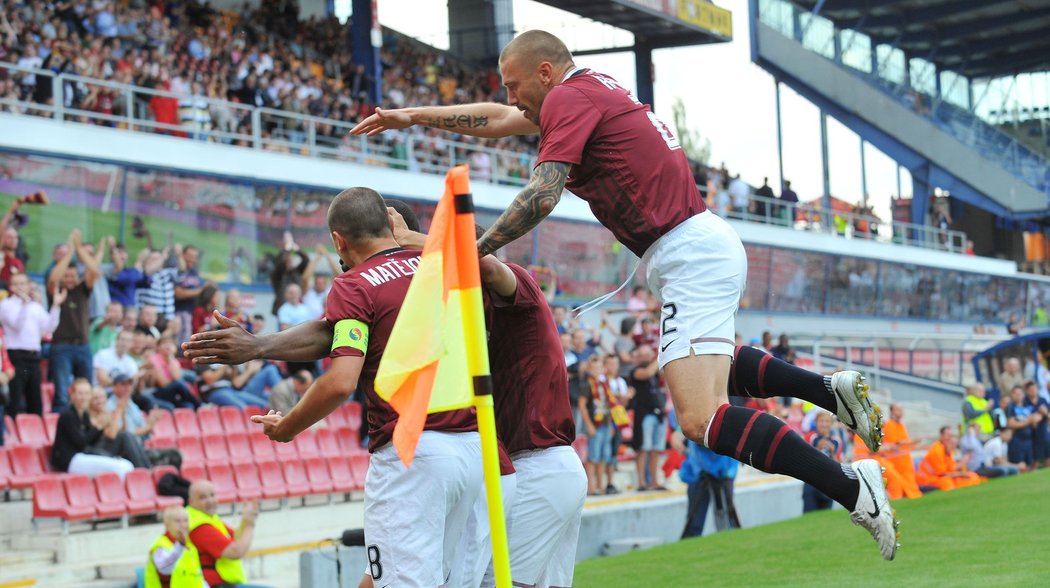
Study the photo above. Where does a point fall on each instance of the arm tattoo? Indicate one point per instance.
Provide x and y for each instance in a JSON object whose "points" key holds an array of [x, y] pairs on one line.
{"points": [[531, 206], [462, 121]]}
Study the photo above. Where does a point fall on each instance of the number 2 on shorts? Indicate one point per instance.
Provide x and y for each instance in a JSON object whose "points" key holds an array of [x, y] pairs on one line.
{"points": [[671, 312]]}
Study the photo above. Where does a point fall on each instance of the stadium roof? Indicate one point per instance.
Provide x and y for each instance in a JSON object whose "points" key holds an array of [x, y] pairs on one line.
{"points": [[657, 23], [976, 38]]}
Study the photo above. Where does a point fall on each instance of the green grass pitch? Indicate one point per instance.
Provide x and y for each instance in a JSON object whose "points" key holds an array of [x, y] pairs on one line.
{"points": [[995, 534]]}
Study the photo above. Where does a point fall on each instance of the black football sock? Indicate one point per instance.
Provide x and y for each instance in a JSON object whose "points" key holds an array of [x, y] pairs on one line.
{"points": [[764, 442], [757, 374]]}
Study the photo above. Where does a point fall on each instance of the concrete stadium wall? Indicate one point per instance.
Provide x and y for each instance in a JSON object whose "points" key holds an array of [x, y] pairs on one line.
{"points": [[655, 521]]}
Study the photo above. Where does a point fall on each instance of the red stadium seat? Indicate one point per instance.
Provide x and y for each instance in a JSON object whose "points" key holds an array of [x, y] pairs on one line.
{"points": [[210, 422], [342, 477], [10, 432], [194, 472], [31, 429], [110, 490], [320, 478], [239, 449], [272, 480], [250, 411], [191, 450], [359, 468], [295, 478], [246, 477], [327, 445], [5, 469], [25, 466], [352, 412], [348, 440], [80, 492], [49, 500], [44, 452], [262, 448], [215, 448], [336, 419], [140, 487], [47, 391], [286, 451], [158, 472], [233, 420], [186, 424], [221, 476], [306, 444], [51, 425], [164, 428]]}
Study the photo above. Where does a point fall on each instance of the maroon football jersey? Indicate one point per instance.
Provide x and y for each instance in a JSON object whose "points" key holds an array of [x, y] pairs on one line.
{"points": [[626, 163], [529, 380], [372, 293]]}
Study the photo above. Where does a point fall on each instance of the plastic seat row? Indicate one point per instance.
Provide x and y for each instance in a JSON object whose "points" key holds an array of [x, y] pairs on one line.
{"points": [[295, 478], [79, 498], [186, 423], [30, 429], [22, 465], [234, 448]]}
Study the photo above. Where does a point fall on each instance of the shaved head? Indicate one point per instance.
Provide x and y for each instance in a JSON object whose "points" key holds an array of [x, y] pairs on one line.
{"points": [[359, 215], [535, 47]]}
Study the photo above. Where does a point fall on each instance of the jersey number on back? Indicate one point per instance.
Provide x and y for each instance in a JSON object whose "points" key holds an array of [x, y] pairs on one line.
{"points": [[665, 133]]}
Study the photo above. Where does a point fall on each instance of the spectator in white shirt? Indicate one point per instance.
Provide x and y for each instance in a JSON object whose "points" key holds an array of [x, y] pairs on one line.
{"points": [[740, 193], [995, 453], [293, 311], [25, 323], [115, 360]]}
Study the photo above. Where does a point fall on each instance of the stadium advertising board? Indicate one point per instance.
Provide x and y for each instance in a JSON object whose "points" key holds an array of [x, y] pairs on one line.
{"points": [[697, 13]]}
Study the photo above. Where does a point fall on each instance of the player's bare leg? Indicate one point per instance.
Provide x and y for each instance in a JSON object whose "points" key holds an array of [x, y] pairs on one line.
{"points": [[698, 389]]}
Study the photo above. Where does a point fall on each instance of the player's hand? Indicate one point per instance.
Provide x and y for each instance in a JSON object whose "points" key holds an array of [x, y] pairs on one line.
{"points": [[271, 425], [382, 120], [231, 345]]}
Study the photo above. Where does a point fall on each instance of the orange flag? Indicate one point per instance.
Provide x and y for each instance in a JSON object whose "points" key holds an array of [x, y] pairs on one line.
{"points": [[426, 368]]}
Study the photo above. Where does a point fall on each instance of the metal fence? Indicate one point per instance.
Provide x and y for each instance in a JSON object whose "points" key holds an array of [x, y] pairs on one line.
{"points": [[809, 216], [214, 120]]}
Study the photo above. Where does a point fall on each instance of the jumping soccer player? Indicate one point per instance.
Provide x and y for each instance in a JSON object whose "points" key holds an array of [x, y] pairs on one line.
{"points": [[598, 141], [413, 517]]}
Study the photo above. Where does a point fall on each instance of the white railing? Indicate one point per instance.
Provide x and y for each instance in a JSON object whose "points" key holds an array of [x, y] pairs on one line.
{"points": [[266, 128], [953, 352], [811, 217]]}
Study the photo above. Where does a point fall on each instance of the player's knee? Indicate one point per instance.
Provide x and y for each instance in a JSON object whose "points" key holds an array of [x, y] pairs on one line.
{"points": [[694, 426]]}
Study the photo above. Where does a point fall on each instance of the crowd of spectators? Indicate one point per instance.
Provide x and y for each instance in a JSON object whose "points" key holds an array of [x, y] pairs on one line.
{"points": [[208, 63], [99, 342]]}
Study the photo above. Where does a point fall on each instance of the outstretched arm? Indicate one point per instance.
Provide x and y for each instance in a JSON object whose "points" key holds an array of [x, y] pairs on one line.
{"points": [[233, 345], [483, 119], [531, 206]]}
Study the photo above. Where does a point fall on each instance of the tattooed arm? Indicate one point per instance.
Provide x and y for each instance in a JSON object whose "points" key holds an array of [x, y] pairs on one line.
{"points": [[486, 119], [531, 206]]}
